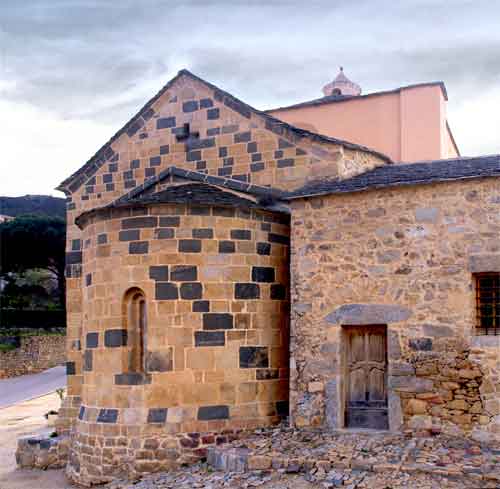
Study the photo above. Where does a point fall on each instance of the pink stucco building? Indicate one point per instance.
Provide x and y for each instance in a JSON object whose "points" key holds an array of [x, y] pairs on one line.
{"points": [[407, 124]]}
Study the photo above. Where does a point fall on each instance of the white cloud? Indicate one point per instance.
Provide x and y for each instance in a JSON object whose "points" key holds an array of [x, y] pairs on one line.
{"points": [[40, 149]]}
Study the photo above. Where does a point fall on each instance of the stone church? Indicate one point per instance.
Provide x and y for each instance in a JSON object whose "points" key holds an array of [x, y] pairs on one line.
{"points": [[335, 262]]}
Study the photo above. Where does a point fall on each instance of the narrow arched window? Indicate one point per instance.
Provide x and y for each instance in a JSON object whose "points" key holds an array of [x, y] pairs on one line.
{"points": [[135, 310]]}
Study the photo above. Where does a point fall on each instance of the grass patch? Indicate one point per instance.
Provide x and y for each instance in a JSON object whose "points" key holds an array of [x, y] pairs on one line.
{"points": [[6, 347]]}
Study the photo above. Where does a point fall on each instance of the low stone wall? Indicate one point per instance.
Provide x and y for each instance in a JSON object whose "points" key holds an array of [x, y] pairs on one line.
{"points": [[42, 452], [32, 354]]}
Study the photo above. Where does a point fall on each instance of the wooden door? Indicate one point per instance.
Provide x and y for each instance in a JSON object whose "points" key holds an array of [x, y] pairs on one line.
{"points": [[366, 377]]}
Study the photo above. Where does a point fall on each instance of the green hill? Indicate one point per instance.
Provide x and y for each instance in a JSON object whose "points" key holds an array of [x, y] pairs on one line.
{"points": [[41, 205]]}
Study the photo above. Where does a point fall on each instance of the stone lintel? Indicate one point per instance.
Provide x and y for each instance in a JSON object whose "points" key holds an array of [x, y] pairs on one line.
{"points": [[484, 263], [365, 314]]}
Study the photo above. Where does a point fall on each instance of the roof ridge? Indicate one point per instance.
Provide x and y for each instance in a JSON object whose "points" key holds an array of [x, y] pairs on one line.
{"points": [[144, 114], [343, 98]]}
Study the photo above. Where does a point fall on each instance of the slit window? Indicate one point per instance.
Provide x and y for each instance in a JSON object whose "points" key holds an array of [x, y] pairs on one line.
{"points": [[136, 320], [487, 303]]}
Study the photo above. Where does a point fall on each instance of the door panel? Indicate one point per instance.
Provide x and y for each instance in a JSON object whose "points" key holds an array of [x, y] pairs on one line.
{"points": [[366, 377]]}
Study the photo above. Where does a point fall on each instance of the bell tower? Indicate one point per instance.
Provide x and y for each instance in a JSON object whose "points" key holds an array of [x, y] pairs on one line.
{"points": [[341, 86]]}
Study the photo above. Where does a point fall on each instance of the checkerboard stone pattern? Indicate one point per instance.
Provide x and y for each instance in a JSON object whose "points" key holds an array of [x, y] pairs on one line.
{"points": [[216, 359]]}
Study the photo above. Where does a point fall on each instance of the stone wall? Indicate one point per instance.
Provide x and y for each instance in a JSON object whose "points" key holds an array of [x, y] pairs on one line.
{"points": [[34, 354], [233, 141], [215, 282], [404, 258]]}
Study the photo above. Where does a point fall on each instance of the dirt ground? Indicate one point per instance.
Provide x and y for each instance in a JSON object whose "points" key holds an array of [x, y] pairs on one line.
{"points": [[26, 419]]}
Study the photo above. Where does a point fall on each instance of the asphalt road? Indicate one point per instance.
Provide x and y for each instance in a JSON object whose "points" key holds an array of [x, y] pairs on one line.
{"points": [[26, 387]]}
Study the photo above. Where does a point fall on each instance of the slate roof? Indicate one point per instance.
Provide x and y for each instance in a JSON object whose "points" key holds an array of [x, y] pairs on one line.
{"points": [[402, 175], [106, 153], [343, 98]]}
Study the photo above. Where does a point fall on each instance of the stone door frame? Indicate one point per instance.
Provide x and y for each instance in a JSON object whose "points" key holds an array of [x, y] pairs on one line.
{"points": [[366, 315]]}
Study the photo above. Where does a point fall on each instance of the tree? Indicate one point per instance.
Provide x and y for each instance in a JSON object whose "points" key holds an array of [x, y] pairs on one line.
{"points": [[31, 242]]}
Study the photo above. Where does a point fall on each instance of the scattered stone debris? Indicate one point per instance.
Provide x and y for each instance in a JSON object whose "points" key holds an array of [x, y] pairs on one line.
{"points": [[285, 458]]}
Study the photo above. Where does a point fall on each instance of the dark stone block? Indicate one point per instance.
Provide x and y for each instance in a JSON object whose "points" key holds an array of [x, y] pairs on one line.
{"points": [[110, 187], [107, 416], [278, 238], [420, 344], [228, 161], [200, 144], [165, 149], [135, 164], [256, 157], [241, 178], [81, 413], [213, 114], [214, 131], [149, 172], [278, 292], [107, 178], [223, 211], [201, 165], [129, 184], [115, 338], [89, 189], [242, 137], [138, 247], [159, 272], [199, 210], [254, 357], [278, 154], [113, 167], [208, 413], [129, 235], [165, 122], [227, 247], [191, 291], [92, 340], [157, 415], [166, 291], [155, 161], [229, 129], [132, 378], [193, 155], [245, 234], [255, 167], [102, 238], [133, 127], [205, 103], [160, 361], [209, 338], [283, 408], [189, 246], [73, 257], [201, 306], [215, 320], [170, 221], [252, 147], [87, 361], [70, 368], [128, 175], [263, 248], [300, 152], [246, 291], [76, 245], [283, 143], [203, 233], [190, 106], [183, 273], [88, 279], [263, 274], [286, 162], [164, 233], [224, 172], [139, 222], [222, 152], [267, 374]]}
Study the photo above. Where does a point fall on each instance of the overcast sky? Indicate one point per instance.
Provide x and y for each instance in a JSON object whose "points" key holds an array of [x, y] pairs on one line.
{"points": [[72, 72]]}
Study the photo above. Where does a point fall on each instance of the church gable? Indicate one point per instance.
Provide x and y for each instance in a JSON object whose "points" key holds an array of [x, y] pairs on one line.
{"points": [[193, 125]]}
